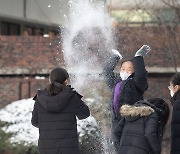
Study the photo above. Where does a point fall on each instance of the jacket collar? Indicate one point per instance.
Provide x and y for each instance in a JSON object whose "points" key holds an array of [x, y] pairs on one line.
{"points": [[175, 97]]}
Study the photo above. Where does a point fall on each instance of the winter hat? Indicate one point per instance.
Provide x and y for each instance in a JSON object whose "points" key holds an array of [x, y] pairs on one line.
{"points": [[58, 75]]}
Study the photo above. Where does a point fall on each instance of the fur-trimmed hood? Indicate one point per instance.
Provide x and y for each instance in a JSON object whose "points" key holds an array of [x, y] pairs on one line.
{"points": [[135, 111]]}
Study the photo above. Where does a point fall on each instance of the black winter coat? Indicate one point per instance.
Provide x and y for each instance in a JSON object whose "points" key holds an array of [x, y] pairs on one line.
{"points": [[137, 132], [175, 125], [55, 116], [132, 89]]}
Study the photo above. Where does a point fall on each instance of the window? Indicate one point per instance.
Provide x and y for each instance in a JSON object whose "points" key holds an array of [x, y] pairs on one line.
{"points": [[34, 31], [10, 28]]}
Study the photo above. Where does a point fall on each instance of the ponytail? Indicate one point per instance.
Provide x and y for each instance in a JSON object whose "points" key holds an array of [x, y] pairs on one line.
{"points": [[57, 78], [55, 88]]}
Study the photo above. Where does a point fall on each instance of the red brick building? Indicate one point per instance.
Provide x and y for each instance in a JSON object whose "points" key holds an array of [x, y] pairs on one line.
{"points": [[22, 59], [25, 60]]}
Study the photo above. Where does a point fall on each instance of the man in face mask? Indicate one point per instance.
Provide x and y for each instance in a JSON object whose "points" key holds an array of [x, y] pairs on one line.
{"points": [[129, 85]]}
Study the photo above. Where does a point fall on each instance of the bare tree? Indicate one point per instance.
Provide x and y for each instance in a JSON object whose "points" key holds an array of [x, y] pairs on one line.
{"points": [[158, 11]]}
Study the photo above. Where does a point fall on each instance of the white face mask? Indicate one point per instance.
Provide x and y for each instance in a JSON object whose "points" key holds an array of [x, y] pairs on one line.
{"points": [[171, 93], [124, 75]]}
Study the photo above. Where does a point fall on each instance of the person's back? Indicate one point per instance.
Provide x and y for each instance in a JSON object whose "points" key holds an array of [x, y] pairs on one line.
{"points": [[137, 132], [55, 116], [132, 140]]}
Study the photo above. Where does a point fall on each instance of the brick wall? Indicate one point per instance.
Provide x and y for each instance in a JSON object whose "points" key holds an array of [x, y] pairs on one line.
{"points": [[158, 87], [164, 42], [38, 55], [8, 90], [32, 53], [15, 88]]}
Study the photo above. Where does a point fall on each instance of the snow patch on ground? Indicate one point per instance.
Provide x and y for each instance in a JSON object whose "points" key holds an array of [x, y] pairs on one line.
{"points": [[19, 113]]}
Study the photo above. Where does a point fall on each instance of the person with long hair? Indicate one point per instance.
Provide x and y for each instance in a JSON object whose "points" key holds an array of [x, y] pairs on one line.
{"points": [[54, 113]]}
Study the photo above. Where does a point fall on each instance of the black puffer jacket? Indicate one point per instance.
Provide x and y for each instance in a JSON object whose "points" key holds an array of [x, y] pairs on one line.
{"points": [[55, 116], [137, 132], [175, 124], [132, 89]]}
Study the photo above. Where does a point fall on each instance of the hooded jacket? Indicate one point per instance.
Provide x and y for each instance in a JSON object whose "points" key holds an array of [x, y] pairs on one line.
{"points": [[137, 131], [175, 124], [55, 116]]}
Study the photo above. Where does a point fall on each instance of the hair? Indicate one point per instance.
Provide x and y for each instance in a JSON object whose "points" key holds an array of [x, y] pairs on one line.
{"points": [[57, 78], [127, 60], [175, 79], [55, 88], [161, 107]]}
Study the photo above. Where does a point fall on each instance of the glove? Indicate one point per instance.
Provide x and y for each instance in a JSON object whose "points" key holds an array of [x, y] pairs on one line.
{"points": [[117, 53], [143, 51]]}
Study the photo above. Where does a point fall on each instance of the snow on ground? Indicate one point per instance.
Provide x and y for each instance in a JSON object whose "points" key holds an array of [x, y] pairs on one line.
{"points": [[19, 113]]}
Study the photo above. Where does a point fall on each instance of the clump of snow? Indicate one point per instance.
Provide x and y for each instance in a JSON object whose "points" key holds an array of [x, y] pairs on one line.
{"points": [[90, 100], [19, 113], [87, 126], [87, 42]]}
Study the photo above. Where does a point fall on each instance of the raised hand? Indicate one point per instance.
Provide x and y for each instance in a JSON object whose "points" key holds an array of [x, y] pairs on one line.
{"points": [[143, 51], [117, 53]]}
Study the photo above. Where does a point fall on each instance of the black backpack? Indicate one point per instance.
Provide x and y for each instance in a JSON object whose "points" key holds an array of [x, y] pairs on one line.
{"points": [[160, 112]]}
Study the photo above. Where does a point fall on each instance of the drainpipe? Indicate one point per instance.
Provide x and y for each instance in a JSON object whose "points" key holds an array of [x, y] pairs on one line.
{"points": [[29, 88], [20, 89], [24, 8]]}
